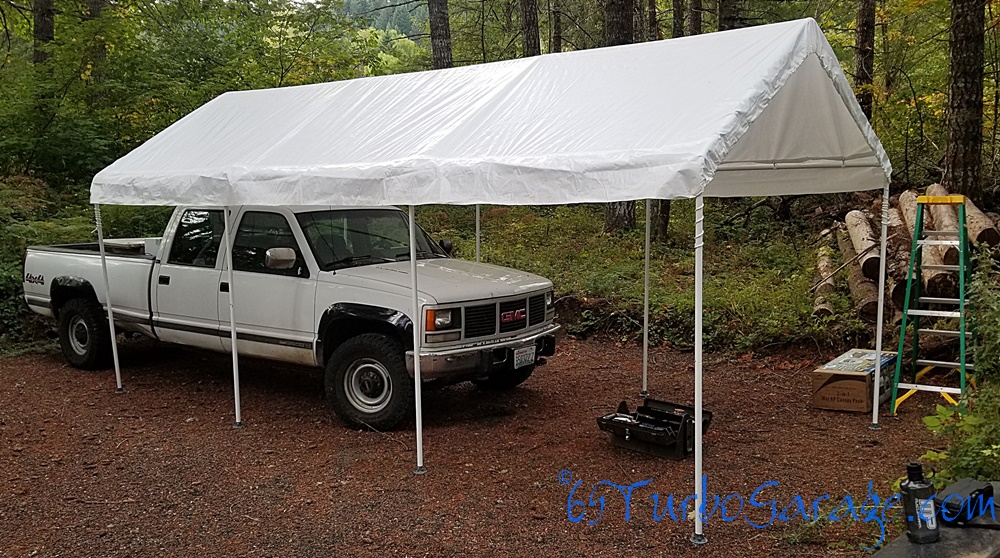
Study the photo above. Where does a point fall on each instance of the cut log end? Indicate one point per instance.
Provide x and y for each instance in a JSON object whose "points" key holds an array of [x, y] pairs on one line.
{"points": [[822, 308]]}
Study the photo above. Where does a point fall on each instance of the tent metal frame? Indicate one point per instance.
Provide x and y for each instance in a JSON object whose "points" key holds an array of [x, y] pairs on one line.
{"points": [[699, 253]]}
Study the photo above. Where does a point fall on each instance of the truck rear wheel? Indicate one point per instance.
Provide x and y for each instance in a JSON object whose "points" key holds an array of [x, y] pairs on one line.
{"points": [[506, 380], [84, 336], [367, 383]]}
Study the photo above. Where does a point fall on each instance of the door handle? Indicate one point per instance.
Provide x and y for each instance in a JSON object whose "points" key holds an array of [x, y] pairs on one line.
{"points": [[224, 287], [164, 279]]}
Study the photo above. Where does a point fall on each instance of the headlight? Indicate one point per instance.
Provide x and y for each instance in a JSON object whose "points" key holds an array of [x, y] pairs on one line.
{"points": [[549, 300], [443, 319]]}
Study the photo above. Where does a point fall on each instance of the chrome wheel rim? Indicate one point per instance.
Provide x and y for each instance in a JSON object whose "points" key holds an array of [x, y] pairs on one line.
{"points": [[79, 335], [368, 385]]}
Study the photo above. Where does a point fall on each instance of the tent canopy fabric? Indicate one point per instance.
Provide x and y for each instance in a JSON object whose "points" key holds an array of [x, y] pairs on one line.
{"points": [[756, 111]]}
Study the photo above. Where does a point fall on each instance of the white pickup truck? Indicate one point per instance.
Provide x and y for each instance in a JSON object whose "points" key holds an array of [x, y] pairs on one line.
{"points": [[321, 286]]}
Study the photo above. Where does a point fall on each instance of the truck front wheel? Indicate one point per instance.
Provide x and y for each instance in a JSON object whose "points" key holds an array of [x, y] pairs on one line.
{"points": [[367, 383], [84, 336]]}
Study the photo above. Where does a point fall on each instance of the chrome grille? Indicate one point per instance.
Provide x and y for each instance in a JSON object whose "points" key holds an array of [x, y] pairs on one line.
{"points": [[536, 310], [480, 320]]}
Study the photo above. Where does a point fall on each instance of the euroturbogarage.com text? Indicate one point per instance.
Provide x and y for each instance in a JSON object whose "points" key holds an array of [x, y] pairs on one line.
{"points": [[766, 510]]}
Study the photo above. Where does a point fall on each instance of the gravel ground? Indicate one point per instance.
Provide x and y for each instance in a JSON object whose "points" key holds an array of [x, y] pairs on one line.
{"points": [[160, 471]]}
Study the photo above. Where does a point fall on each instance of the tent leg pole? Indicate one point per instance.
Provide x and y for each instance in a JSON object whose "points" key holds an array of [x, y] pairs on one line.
{"points": [[699, 256], [417, 320], [881, 309], [645, 312], [107, 299], [477, 233], [228, 213]]}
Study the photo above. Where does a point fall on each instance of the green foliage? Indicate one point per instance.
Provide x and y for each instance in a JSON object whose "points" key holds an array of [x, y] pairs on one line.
{"points": [[985, 300], [757, 276], [973, 429]]}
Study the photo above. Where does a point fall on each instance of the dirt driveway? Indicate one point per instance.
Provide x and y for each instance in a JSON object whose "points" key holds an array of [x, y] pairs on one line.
{"points": [[159, 471]]}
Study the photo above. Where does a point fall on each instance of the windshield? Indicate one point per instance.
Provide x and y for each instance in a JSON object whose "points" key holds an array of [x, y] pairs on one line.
{"points": [[353, 237]]}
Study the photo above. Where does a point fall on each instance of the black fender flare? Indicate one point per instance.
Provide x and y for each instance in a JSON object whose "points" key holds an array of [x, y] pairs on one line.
{"points": [[65, 287], [362, 318]]}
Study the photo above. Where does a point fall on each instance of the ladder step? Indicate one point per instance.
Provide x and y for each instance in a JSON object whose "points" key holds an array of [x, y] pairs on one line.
{"points": [[944, 267], [944, 364], [935, 313], [935, 300], [937, 242], [941, 233], [938, 389], [942, 332]]}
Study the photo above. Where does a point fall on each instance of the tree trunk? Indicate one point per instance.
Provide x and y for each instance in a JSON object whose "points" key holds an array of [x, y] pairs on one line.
{"points": [[652, 21], [825, 270], [661, 219], [619, 216], [639, 25], [729, 14], [963, 157], [863, 238], [530, 43], [44, 15], [556, 45], [618, 22], [678, 15], [619, 30], [981, 228], [437, 16], [864, 60], [864, 291], [694, 17], [946, 220]]}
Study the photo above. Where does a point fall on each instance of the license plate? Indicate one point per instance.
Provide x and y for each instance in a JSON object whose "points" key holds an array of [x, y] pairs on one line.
{"points": [[524, 356]]}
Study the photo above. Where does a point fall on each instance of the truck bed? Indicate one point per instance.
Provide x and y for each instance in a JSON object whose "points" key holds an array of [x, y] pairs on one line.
{"points": [[139, 247]]}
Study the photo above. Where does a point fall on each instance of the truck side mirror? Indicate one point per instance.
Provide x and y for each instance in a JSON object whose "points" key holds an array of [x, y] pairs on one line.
{"points": [[445, 245], [280, 258]]}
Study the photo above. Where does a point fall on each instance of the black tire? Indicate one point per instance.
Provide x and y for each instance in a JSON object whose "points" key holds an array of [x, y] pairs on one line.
{"points": [[506, 380], [367, 383], [84, 336]]}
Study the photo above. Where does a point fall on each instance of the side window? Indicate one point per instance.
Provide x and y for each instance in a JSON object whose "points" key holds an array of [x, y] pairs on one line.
{"points": [[259, 231], [197, 239]]}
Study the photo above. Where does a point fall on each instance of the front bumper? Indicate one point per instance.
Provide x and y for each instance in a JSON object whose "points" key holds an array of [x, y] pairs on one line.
{"points": [[480, 361]]}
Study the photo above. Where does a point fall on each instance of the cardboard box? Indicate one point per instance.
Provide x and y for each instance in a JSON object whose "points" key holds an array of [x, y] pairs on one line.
{"points": [[845, 383]]}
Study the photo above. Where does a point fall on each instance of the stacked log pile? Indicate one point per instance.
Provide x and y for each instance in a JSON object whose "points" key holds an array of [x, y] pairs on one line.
{"points": [[858, 239]]}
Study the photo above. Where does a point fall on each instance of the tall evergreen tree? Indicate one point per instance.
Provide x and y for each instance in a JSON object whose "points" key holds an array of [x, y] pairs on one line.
{"points": [[963, 158], [864, 57], [619, 18]]}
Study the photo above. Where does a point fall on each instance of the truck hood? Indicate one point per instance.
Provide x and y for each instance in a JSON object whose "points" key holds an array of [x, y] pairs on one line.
{"points": [[449, 280]]}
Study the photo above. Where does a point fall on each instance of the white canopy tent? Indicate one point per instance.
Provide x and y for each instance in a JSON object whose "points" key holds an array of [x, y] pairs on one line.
{"points": [[752, 112]]}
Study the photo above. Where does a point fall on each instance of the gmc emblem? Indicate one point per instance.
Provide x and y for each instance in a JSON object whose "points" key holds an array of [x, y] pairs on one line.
{"points": [[513, 316]]}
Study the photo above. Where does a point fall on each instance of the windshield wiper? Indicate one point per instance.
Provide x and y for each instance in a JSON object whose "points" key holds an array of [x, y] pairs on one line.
{"points": [[353, 259], [406, 255]]}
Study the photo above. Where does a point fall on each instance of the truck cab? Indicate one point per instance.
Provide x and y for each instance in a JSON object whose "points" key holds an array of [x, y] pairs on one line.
{"points": [[319, 286]]}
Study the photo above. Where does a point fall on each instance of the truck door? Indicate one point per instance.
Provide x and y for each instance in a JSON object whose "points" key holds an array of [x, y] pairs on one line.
{"points": [[275, 308], [186, 283]]}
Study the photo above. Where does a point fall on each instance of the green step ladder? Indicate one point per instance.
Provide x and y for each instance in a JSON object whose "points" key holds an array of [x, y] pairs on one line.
{"points": [[915, 312]]}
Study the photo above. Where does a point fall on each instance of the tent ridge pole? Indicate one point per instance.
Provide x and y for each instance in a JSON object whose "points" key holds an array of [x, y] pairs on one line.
{"points": [[881, 308], [417, 321], [107, 298], [699, 254], [645, 310], [229, 216]]}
